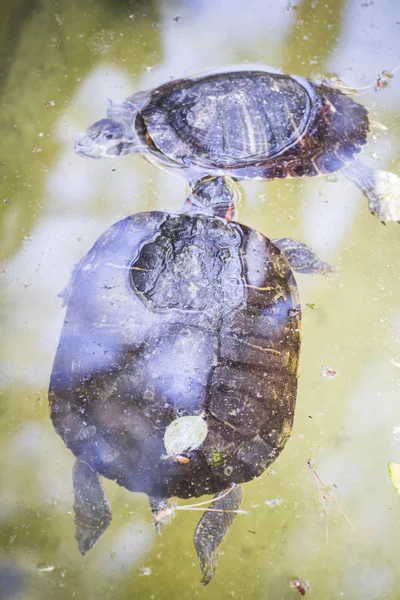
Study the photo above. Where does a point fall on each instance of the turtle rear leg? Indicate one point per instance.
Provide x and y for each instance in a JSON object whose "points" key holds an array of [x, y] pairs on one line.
{"points": [[301, 258], [92, 510], [381, 188], [212, 528]]}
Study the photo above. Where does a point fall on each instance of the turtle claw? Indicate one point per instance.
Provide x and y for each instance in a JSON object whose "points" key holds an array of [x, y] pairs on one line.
{"points": [[212, 528]]}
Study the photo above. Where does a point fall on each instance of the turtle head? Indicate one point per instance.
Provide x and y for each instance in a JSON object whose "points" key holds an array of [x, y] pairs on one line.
{"points": [[105, 139], [214, 196]]}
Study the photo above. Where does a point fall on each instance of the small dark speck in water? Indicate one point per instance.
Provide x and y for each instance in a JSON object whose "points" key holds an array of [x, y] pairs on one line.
{"points": [[301, 585]]}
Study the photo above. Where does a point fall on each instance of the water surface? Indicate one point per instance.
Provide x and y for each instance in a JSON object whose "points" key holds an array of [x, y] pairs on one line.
{"points": [[59, 63]]}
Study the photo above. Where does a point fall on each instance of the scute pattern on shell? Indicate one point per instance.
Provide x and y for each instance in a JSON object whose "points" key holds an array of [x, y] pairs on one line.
{"points": [[123, 372], [191, 265], [228, 119], [252, 125]]}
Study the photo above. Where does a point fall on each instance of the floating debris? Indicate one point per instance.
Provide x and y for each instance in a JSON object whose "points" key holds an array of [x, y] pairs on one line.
{"points": [[144, 571], [311, 305], [396, 364], [7, 200], [384, 79], [301, 585], [328, 372], [46, 569], [324, 493], [380, 127], [394, 474], [381, 82], [168, 511], [185, 434], [274, 502], [182, 460], [49, 103]]}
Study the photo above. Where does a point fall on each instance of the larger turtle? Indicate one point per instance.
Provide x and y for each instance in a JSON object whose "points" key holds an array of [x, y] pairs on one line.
{"points": [[248, 124], [176, 370]]}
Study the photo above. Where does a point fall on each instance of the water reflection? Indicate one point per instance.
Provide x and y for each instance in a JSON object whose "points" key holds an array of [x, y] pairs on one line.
{"points": [[353, 327], [12, 581]]}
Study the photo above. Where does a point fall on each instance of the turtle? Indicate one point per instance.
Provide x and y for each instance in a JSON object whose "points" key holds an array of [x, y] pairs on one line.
{"points": [[246, 124], [176, 369]]}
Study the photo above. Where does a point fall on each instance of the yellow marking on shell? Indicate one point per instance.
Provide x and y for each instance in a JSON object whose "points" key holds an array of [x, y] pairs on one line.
{"points": [[290, 115], [218, 459], [296, 130], [250, 130], [256, 287], [271, 350], [286, 360], [131, 268], [285, 433], [316, 166], [295, 364], [273, 393], [331, 106], [226, 423]]}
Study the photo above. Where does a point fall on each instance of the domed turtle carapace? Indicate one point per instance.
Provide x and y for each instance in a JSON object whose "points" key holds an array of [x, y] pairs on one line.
{"points": [[247, 124], [176, 370]]}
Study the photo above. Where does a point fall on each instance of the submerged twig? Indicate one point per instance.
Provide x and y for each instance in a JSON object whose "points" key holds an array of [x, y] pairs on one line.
{"points": [[381, 82], [323, 488], [169, 511]]}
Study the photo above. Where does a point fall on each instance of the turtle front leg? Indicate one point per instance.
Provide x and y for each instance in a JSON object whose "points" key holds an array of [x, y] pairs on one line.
{"points": [[212, 528], [301, 258], [381, 188], [92, 510]]}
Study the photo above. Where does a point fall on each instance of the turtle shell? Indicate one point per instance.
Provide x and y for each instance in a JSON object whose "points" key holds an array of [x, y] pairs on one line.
{"points": [[171, 316], [252, 124]]}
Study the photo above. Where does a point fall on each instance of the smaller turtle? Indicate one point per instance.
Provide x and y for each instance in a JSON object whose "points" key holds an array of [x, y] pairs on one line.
{"points": [[246, 124], [176, 370]]}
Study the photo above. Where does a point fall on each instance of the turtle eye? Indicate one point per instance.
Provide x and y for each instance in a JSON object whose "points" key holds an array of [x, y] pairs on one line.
{"points": [[108, 136]]}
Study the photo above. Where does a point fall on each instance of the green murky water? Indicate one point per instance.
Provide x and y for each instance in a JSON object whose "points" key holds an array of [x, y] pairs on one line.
{"points": [[59, 61]]}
